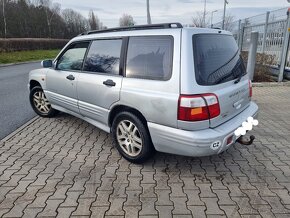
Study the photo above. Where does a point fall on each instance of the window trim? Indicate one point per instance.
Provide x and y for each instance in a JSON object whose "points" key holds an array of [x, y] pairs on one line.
{"points": [[123, 58], [121, 52], [151, 78], [66, 49]]}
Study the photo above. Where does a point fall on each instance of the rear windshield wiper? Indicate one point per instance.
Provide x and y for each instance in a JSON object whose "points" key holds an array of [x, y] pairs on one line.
{"points": [[238, 79], [223, 78]]}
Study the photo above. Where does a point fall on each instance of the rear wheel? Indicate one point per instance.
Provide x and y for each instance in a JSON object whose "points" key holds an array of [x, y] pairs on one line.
{"points": [[40, 103], [132, 138]]}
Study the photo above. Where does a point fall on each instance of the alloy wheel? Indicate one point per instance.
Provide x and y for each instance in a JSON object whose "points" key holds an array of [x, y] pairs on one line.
{"points": [[129, 138], [41, 103]]}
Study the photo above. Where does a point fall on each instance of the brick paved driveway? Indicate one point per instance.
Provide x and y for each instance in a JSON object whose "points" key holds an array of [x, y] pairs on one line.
{"points": [[66, 167]]}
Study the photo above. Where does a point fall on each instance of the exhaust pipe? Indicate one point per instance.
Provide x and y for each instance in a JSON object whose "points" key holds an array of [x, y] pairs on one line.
{"points": [[244, 141]]}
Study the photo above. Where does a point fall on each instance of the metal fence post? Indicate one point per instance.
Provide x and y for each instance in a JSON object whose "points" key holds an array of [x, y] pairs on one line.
{"points": [[239, 31], [241, 36], [252, 54], [265, 32], [284, 49]]}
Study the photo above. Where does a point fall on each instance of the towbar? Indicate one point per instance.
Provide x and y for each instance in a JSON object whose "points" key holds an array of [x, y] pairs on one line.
{"points": [[244, 141]]}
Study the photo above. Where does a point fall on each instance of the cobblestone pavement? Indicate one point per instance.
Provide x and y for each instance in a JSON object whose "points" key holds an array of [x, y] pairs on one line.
{"points": [[66, 167]]}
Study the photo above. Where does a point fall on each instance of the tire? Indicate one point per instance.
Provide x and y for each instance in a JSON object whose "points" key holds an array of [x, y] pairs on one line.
{"points": [[132, 138], [40, 104]]}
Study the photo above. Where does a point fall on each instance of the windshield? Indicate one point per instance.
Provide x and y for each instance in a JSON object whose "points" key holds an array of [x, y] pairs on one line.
{"points": [[216, 59]]}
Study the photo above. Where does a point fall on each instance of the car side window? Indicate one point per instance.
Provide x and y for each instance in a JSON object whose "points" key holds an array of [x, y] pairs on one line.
{"points": [[73, 57], [150, 57], [104, 56]]}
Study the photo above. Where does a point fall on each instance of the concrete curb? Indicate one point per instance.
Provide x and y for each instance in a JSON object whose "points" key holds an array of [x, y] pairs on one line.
{"points": [[20, 129], [271, 84], [19, 63]]}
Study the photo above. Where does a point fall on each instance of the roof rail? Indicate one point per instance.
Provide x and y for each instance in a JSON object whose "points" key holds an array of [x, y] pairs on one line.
{"points": [[138, 27]]}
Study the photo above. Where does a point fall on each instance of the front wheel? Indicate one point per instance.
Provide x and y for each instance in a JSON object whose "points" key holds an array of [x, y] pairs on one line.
{"points": [[40, 103], [132, 138]]}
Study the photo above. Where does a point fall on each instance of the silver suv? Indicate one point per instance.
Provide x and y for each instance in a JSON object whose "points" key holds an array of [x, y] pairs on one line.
{"points": [[157, 87]]}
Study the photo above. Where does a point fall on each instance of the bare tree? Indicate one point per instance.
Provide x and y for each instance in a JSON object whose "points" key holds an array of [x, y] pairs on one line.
{"points": [[126, 20], [229, 22], [75, 22], [94, 21], [40, 19], [199, 20], [51, 9]]}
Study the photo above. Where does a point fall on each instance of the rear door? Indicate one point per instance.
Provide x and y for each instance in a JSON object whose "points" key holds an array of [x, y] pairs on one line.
{"points": [[100, 82], [219, 69]]}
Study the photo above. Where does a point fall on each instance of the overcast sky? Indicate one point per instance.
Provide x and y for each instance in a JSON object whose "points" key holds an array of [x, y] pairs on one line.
{"points": [[109, 11]]}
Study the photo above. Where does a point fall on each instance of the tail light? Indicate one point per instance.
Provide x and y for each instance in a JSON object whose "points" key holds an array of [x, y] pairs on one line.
{"points": [[250, 89], [198, 107]]}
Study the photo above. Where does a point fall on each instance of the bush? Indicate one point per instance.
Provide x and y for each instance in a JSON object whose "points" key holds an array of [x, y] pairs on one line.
{"points": [[27, 44], [263, 66]]}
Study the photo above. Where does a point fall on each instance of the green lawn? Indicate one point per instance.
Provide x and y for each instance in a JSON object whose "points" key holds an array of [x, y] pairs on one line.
{"points": [[23, 56]]}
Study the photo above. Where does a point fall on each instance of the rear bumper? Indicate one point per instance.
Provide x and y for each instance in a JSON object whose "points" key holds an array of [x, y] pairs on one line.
{"points": [[198, 143]]}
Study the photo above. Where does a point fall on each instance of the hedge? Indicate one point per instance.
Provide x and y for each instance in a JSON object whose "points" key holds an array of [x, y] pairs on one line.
{"points": [[25, 44]]}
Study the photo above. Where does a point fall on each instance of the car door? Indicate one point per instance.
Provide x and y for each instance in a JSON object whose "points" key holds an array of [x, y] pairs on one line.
{"points": [[100, 82], [61, 81]]}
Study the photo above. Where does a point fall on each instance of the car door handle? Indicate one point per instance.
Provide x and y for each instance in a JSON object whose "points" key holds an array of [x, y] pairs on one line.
{"points": [[109, 82], [70, 77]]}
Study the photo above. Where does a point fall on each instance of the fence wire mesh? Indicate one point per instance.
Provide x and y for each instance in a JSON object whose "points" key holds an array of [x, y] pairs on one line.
{"points": [[271, 33]]}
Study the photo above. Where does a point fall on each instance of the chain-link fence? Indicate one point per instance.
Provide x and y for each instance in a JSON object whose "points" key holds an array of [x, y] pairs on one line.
{"points": [[272, 28]]}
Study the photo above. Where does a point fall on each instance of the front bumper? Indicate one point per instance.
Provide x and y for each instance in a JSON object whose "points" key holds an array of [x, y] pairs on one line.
{"points": [[198, 143]]}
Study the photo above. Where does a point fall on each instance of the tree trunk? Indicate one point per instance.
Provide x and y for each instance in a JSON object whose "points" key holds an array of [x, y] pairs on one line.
{"points": [[4, 19]]}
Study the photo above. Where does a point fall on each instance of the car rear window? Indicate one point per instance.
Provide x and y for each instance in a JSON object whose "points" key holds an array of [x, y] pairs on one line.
{"points": [[150, 57], [217, 59]]}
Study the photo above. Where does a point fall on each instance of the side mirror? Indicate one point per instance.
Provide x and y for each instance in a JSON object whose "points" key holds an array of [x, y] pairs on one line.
{"points": [[46, 63]]}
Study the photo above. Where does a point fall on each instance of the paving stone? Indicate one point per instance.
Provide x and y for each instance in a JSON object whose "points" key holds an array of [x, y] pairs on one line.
{"points": [[189, 183], [230, 210], [102, 199], [148, 178], [133, 198], [148, 206], [50, 209], [163, 197], [64, 166], [164, 211], [116, 207], [212, 207], [131, 211], [148, 191], [182, 216], [134, 183], [71, 199], [32, 211], [197, 211], [283, 194], [180, 207], [264, 210], [206, 191], [235, 190], [244, 206], [65, 212], [83, 208], [193, 197], [276, 205], [223, 197], [254, 197], [99, 212], [264, 191]]}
